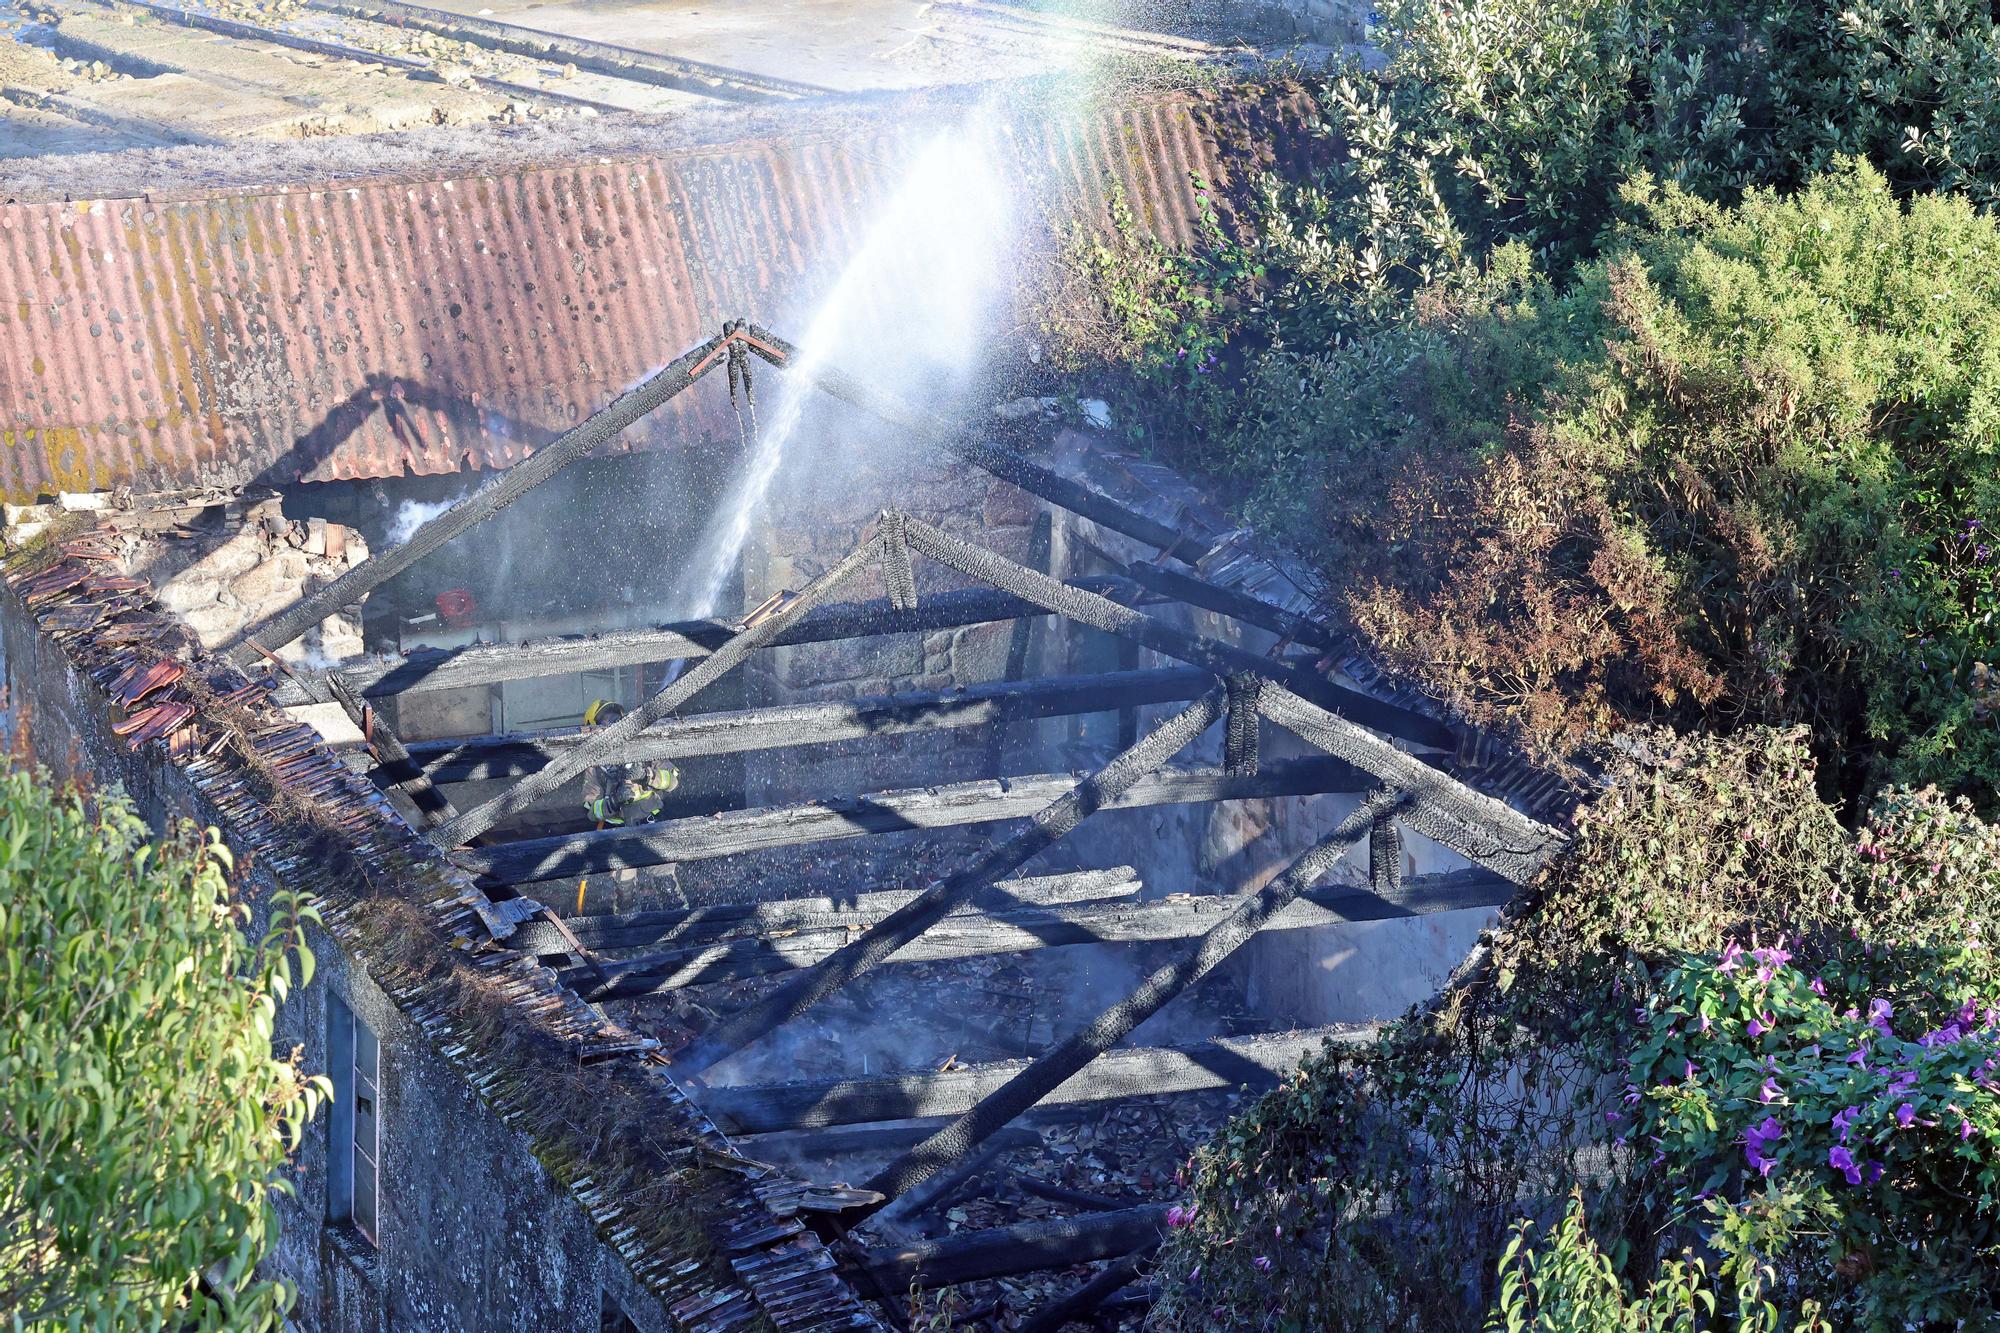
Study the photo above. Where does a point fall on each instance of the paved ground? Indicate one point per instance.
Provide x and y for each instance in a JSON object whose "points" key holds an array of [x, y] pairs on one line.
{"points": [[102, 75]]}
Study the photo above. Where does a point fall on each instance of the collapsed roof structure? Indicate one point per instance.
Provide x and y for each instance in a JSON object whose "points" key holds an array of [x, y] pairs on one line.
{"points": [[942, 1130]]}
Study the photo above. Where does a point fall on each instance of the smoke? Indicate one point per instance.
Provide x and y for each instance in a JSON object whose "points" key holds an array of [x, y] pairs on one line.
{"points": [[413, 514]]}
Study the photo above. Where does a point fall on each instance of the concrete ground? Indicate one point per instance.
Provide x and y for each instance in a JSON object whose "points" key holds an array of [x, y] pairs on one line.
{"points": [[103, 75]]}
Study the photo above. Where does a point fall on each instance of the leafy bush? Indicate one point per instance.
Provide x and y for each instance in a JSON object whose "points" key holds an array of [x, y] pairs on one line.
{"points": [[1745, 469], [143, 1117], [1379, 1189]]}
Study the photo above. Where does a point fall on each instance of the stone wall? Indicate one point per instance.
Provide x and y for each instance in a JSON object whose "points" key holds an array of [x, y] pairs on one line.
{"points": [[225, 568], [475, 1235]]}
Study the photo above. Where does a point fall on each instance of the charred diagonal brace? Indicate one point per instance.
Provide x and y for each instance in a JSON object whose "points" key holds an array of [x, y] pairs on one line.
{"points": [[1471, 823], [618, 735], [392, 760], [1047, 827], [1148, 631], [1005, 464], [1475, 825], [286, 625], [1048, 1073], [1385, 856]]}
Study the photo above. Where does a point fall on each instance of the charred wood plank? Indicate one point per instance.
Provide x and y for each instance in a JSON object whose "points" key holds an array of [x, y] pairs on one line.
{"points": [[502, 490], [501, 756], [1180, 586], [1082, 1300], [698, 925], [1023, 1248], [976, 934], [982, 802], [491, 663], [1076, 1052], [1221, 1064]]}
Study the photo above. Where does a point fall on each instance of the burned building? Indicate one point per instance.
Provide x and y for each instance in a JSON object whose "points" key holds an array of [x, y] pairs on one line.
{"points": [[1025, 817]]}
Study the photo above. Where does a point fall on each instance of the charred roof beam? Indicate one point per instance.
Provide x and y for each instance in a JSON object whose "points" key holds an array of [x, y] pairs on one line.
{"points": [[950, 805], [496, 494], [721, 960], [786, 725]]}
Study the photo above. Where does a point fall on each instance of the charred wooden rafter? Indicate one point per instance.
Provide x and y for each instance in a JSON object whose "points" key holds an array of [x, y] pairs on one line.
{"points": [[1023, 929], [1046, 1074], [600, 426], [985, 801], [1217, 1065], [788, 725]]}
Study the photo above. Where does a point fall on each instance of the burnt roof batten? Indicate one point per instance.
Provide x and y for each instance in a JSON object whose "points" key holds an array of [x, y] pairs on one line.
{"points": [[946, 805], [487, 663], [499, 492], [478, 758], [1047, 827], [722, 959], [1066, 1060], [600, 747], [1224, 659]]}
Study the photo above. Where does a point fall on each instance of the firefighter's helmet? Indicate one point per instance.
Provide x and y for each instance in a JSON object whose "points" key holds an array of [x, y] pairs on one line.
{"points": [[602, 713]]}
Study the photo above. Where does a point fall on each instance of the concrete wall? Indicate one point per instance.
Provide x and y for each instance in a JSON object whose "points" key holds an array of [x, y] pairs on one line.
{"points": [[474, 1233]]}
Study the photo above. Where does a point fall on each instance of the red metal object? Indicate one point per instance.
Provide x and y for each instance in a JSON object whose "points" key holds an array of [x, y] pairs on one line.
{"points": [[457, 606], [398, 326]]}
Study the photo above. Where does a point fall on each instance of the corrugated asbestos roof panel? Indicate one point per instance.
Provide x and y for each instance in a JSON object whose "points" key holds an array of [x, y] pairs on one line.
{"points": [[424, 326]]}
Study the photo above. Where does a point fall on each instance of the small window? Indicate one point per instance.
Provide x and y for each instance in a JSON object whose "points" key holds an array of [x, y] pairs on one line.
{"points": [[613, 1319], [355, 1126]]}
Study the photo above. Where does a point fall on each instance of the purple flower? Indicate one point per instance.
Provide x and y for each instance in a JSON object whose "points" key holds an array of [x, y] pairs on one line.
{"points": [[1762, 1023], [1903, 1078], [1982, 553], [1906, 1115], [1177, 1216], [1874, 1172], [1758, 1141], [1730, 953], [1844, 1121], [1769, 1092], [1688, 1071], [1842, 1161], [1770, 960], [1943, 1036], [1859, 1059], [1964, 1130], [1262, 1263], [1880, 1011], [1817, 987]]}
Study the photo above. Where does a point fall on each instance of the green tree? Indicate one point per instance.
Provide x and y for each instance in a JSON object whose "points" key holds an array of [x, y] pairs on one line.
{"points": [[144, 1118]]}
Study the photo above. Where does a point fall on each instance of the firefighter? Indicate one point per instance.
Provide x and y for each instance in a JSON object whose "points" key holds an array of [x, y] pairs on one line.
{"points": [[623, 793]]}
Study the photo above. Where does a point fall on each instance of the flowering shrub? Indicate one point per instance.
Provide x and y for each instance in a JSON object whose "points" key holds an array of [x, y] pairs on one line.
{"points": [[1702, 1099], [1784, 1093]]}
